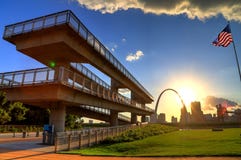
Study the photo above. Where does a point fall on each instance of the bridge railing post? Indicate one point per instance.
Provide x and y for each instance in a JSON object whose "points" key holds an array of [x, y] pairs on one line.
{"points": [[107, 133], [56, 143], [2, 79], [96, 137], [89, 137], [69, 141], [102, 134], [80, 140], [23, 79]]}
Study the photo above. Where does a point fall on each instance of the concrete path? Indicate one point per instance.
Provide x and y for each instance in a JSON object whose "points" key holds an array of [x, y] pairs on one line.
{"points": [[31, 149]]}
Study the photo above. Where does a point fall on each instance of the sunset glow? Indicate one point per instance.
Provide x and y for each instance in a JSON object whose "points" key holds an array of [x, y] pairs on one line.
{"points": [[188, 95], [190, 88]]}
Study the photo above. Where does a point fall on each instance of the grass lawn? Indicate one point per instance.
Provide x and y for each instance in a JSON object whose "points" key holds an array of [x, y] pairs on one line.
{"points": [[203, 142]]}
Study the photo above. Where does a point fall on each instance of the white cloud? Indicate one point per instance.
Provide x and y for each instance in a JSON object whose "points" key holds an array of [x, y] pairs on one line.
{"points": [[134, 57], [115, 46], [201, 9]]}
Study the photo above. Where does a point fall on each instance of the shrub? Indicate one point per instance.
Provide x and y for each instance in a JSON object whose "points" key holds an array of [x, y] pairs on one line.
{"points": [[139, 133]]}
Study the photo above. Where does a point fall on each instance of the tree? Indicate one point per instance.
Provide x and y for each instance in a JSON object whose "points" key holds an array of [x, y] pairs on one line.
{"points": [[73, 121], [4, 116], [4, 109], [11, 111], [36, 116], [18, 111]]}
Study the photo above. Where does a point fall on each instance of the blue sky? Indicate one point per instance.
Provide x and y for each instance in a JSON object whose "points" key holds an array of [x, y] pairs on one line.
{"points": [[169, 43]]}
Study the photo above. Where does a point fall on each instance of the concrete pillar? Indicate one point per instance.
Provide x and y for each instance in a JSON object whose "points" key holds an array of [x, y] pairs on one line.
{"points": [[115, 85], [133, 118], [57, 73], [57, 117], [61, 72], [143, 118], [113, 118], [138, 100], [143, 105]]}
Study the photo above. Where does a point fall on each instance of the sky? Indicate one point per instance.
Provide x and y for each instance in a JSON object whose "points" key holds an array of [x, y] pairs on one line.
{"points": [[164, 44]]}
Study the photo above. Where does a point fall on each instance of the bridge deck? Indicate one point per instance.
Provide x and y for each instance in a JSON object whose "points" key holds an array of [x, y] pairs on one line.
{"points": [[42, 86]]}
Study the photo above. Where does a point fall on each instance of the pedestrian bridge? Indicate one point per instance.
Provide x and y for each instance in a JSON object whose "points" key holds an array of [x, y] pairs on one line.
{"points": [[61, 39], [23, 81]]}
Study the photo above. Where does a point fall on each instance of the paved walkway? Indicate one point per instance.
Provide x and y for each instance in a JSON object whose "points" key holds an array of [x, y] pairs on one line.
{"points": [[30, 148]]}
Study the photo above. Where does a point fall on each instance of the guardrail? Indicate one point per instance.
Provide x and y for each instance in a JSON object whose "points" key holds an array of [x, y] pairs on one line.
{"points": [[85, 71], [65, 77], [67, 17], [26, 77], [86, 137], [76, 81]]}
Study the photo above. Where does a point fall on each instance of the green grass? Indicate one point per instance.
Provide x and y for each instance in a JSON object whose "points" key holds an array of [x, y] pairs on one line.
{"points": [[179, 143]]}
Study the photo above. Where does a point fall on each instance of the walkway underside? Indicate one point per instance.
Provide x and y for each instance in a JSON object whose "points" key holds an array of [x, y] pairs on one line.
{"points": [[47, 95], [93, 114]]}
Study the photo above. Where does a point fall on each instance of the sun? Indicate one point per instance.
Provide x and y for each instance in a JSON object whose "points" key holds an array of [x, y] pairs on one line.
{"points": [[188, 95], [190, 89]]}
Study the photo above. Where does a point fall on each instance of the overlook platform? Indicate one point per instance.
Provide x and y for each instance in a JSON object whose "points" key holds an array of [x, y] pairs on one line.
{"points": [[62, 39]]}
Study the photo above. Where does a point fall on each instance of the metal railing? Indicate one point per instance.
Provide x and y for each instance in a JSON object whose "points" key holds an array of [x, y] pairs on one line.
{"points": [[77, 81], [85, 71], [67, 17], [65, 77], [26, 77], [88, 137]]}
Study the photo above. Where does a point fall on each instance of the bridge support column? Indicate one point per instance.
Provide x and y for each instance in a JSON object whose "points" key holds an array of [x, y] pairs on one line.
{"points": [[115, 85], [143, 118], [113, 118], [57, 117], [133, 118]]}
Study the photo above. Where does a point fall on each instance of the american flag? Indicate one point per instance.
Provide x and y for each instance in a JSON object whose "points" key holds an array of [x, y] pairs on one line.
{"points": [[224, 38]]}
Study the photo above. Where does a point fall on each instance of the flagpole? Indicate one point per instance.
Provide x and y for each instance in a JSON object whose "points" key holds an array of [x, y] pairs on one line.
{"points": [[236, 56]]}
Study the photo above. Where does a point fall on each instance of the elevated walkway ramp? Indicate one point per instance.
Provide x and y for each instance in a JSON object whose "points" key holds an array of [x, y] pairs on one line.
{"points": [[62, 38]]}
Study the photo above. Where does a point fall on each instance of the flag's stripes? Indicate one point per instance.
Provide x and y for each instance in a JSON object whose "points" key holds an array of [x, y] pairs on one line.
{"points": [[224, 38]]}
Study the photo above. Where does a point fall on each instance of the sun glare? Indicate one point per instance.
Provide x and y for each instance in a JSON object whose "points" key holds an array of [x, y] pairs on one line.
{"points": [[190, 90], [188, 95]]}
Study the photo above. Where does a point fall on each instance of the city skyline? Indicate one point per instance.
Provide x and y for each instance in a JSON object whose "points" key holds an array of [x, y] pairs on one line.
{"points": [[161, 48], [223, 114]]}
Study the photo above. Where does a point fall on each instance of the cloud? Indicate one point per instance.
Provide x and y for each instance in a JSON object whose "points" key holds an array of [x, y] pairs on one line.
{"points": [[134, 57], [124, 91], [201, 9], [112, 46], [210, 103]]}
